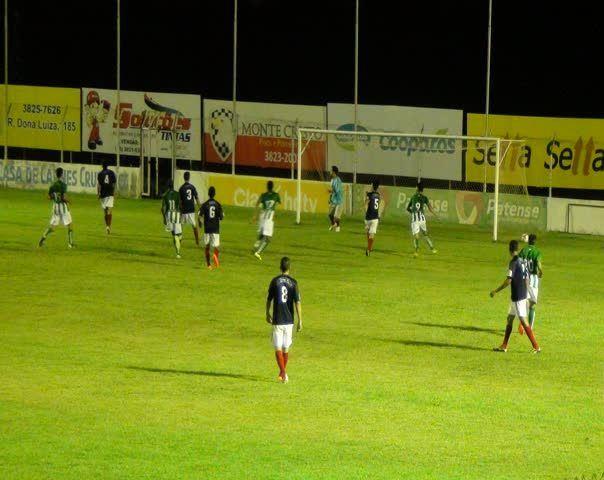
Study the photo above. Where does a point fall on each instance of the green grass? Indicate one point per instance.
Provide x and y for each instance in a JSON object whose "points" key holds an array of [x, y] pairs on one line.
{"points": [[119, 361]]}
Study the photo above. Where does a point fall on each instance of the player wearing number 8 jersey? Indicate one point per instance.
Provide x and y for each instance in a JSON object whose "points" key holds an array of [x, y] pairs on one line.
{"points": [[170, 209], [517, 279], [60, 209], [284, 295], [267, 202], [532, 256], [188, 201], [211, 213], [372, 215], [418, 220], [105, 187]]}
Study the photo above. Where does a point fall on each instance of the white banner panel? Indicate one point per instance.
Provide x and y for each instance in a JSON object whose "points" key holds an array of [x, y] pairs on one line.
{"points": [[168, 112], [266, 133], [411, 157]]}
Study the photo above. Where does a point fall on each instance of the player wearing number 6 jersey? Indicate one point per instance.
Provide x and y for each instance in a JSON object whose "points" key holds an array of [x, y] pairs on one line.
{"points": [[372, 215], [188, 201], [283, 293], [60, 209], [211, 213], [105, 189], [170, 209], [532, 256], [517, 279], [418, 220], [267, 202]]}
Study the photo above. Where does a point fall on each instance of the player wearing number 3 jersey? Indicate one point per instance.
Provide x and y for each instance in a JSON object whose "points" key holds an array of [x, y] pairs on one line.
{"points": [[284, 295], [188, 201], [211, 214], [418, 220]]}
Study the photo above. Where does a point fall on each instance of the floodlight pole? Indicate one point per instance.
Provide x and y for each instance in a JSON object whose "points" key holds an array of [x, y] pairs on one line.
{"points": [[5, 80], [487, 106], [356, 89], [119, 103], [234, 89]]}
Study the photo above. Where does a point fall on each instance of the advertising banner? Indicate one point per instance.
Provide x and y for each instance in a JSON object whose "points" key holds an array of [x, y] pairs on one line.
{"points": [[467, 208], [569, 152], [266, 134], [79, 178], [400, 156], [166, 113], [42, 117]]}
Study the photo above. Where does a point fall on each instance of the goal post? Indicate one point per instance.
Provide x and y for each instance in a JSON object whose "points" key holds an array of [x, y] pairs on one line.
{"points": [[402, 159]]}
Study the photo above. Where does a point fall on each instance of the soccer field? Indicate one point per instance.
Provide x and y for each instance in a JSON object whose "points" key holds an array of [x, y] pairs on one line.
{"points": [[120, 361]]}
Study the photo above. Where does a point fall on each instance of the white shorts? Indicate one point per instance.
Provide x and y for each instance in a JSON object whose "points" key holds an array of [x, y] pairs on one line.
{"points": [[417, 226], [282, 336], [60, 219], [533, 288], [107, 202], [212, 239], [266, 227], [518, 309], [188, 219], [336, 210], [371, 226], [173, 223]]}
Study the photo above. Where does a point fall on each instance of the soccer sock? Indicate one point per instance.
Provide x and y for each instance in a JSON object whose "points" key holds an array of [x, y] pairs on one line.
{"points": [[337, 220], [531, 336], [430, 244], [70, 236], [177, 244], [416, 244], [506, 336], [279, 358], [285, 358], [109, 218], [531, 316], [216, 253], [263, 244], [331, 219], [196, 232], [47, 232], [370, 244], [208, 255], [106, 220]]}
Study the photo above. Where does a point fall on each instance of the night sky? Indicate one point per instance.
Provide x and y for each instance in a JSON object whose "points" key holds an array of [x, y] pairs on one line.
{"points": [[426, 53]]}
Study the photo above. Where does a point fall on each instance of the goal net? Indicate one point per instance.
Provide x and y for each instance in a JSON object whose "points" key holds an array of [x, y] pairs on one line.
{"points": [[470, 180]]}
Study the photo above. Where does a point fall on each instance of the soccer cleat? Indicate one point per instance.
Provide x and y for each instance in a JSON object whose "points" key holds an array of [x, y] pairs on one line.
{"points": [[257, 255], [41, 242], [70, 245], [416, 254], [536, 350], [520, 329], [366, 252], [285, 378], [330, 228], [280, 378], [178, 255], [108, 230], [500, 349], [210, 267], [338, 229], [434, 250]]}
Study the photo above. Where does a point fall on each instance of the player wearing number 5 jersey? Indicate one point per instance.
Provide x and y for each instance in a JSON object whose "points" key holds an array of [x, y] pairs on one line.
{"points": [[517, 279], [60, 209], [267, 203], [211, 214], [170, 209], [532, 256], [284, 295], [105, 188], [372, 215], [418, 219], [189, 200]]}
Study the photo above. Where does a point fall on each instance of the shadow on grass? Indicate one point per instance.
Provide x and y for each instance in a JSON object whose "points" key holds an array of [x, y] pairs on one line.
{"points": [[417, 343], [463, 328], [201, 373]]}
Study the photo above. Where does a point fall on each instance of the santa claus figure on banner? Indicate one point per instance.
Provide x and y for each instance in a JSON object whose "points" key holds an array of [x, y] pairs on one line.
{"points": [[96, 113]]}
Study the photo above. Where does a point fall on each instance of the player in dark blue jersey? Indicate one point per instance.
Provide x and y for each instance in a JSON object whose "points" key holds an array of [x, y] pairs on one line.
{"points": [[210, 214], [189, 201], [517, 279], [283, 293], [105, 189], [372, 214]]}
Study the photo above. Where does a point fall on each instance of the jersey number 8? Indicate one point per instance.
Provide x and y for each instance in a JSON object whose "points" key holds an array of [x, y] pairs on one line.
{"points": [[283, 294]]}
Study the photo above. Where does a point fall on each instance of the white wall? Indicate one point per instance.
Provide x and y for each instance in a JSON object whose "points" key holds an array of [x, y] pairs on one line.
{"points": [[583, 220]]}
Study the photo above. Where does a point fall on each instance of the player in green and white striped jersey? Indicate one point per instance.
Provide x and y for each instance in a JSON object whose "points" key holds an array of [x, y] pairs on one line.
{"points": [[416, 206], [60, 209], [267, 202], [170, 209], [532, 256]]}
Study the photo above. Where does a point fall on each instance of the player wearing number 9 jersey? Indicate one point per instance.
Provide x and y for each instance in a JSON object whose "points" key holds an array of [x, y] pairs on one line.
{"points": [[418, 220], [211, 214], [188, 201], [372, 215], [284, 295]]}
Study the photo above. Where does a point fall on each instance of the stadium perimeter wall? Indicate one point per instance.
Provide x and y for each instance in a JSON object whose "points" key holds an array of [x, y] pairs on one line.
{"points": [[80, 178], [575, 216]]}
